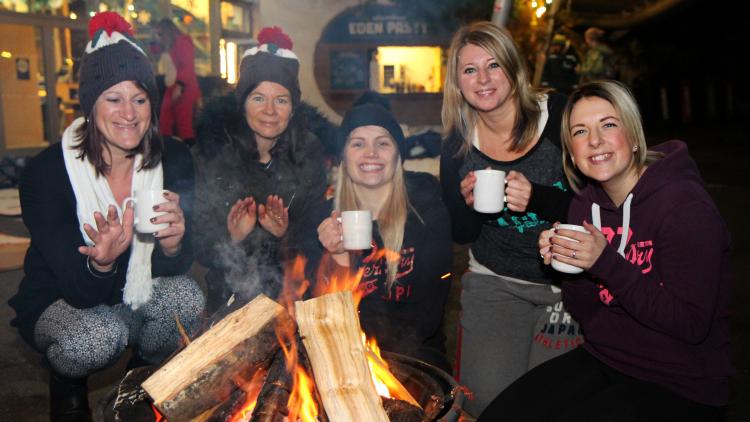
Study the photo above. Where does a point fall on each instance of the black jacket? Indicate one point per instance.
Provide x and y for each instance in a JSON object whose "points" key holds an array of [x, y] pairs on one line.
{"points": [[409, 318], [227, 169], [54, 269]]}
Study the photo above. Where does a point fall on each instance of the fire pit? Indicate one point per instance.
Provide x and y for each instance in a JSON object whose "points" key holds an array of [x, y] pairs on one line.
{"points": [[428, 384], [425, 381]]}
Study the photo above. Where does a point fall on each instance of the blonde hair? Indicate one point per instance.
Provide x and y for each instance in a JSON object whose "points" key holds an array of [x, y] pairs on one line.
{"points": [[392, 218], [625, 106], [459, 117]]}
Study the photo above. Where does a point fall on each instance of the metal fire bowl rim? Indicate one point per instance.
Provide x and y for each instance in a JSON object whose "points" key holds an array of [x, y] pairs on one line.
{"points": [[453, 398]]}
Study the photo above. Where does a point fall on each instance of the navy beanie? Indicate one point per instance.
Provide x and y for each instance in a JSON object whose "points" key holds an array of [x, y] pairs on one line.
{"points": [[370, 114], [112, 56]]}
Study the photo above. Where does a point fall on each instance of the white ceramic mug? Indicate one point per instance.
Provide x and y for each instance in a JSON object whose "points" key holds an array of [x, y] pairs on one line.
{"points": [[357, 227], [144, 201], [561, 266], [489, 191]]}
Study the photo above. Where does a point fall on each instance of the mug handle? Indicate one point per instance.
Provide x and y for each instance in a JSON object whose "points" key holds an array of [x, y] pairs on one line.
{"points": [[125, 204]]}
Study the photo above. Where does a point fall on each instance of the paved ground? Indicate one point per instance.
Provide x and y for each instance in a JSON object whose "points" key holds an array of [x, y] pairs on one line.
{"points": [[721, 155]]}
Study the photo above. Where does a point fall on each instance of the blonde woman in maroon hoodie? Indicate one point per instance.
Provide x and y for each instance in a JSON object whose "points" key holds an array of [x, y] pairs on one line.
{"points": [[653, 298]]}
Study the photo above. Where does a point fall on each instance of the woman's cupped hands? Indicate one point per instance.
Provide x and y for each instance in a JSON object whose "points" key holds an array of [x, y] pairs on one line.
{"points": [[245, 214]]}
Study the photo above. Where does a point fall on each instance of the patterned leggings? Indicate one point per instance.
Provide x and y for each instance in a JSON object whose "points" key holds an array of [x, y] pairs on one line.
{"points": [[78, 342]]}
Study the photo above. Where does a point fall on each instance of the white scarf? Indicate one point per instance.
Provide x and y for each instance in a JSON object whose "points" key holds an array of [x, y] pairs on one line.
{"points": [[93, 194]]}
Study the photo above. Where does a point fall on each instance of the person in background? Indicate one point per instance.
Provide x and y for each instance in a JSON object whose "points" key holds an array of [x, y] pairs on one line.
{"points": [[406, 273], [654, 295], [260, 177], [598, 61], [560, 67], [92, 287], [493, 118], [182, 92]]}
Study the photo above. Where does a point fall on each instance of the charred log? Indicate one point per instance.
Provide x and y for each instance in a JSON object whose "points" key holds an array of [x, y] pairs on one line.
{"points": [[402, 411]]}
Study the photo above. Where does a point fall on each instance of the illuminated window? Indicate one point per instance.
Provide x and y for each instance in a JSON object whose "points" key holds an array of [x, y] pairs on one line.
{"points": [[235, 16], [406, 69]]}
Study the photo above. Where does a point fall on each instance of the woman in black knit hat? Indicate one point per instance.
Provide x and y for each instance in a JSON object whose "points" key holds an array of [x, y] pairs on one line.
{"points": [[93, 287], [406, 271], [260, 177]]}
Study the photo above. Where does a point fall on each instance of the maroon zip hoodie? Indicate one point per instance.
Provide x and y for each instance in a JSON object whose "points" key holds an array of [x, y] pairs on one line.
{"points": [[655, 305]]}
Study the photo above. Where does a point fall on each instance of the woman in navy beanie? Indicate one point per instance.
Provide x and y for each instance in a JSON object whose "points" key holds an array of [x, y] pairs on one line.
{"points": [[406, 270]]}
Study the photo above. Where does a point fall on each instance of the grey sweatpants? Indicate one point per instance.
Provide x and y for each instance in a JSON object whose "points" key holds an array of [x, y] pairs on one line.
{"points": [[78, 342], [498, 320]]}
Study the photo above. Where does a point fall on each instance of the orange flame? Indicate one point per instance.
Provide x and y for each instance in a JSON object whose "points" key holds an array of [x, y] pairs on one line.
{"points": [[386, 384], [252, 390], [158, 417], [301, 403]]}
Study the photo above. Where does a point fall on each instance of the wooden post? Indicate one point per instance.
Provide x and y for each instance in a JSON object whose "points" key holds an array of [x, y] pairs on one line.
{"points": [[330, 330], [209, 369]]}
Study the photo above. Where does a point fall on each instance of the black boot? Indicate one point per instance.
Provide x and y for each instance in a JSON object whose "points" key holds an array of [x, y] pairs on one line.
{"points": [[68, 399]]}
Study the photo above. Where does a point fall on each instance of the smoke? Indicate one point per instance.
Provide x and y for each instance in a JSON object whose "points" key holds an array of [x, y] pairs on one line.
{"points": [[252, 266]]}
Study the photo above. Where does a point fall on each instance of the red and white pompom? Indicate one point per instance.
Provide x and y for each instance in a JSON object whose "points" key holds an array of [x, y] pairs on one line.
{"points": [[109, 28], [273, 40], [275, 35], [110, 22]]}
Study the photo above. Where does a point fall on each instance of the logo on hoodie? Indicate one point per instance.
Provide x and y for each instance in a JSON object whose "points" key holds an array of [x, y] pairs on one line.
{"points": [[638, 253]]}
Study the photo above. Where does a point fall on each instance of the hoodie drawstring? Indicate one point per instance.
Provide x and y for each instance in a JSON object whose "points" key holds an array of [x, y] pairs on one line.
{"points": [[597, 222]]}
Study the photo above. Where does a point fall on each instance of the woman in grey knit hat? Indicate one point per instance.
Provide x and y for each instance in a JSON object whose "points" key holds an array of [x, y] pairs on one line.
{"points": [[260, 177], [92, 286]]}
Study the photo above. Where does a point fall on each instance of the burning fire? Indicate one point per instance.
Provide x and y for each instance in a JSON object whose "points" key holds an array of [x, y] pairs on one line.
{"points": [[302, 404], [252, 390], [386, 384]]}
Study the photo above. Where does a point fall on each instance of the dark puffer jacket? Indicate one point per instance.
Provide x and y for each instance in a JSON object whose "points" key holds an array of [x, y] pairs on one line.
{"points": [[227, 169]]}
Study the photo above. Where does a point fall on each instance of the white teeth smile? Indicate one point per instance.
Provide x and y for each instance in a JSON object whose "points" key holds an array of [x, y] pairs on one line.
{"points": [[124, 126], [370, 167], [601, 157]]}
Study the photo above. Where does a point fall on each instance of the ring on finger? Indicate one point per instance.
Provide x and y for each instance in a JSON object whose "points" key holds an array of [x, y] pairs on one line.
{"points": [[573, 255]]}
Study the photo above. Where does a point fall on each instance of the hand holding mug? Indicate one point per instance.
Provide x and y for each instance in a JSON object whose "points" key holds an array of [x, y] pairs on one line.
{"points": [[111, 237], [331, 236], [170, 238], [544, 243], [273, 216], [241, 219], [575, 248], [467, 188], [517, 191]]}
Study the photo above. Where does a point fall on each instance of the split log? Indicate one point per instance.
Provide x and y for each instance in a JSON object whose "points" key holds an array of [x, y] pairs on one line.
{"points": [[330, 330], [210, 368]]}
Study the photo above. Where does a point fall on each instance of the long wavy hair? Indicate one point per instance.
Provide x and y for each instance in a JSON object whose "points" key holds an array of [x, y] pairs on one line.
{"points": [[392, 218], [92, 144], [459, 117], [626, 107]]}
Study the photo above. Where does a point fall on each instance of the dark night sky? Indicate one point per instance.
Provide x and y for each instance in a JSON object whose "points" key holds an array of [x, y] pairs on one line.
{"points": [[698, 43]]}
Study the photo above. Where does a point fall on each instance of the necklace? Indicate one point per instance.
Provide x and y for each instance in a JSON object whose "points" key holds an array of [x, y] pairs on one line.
{"points": [[268, 164]]}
